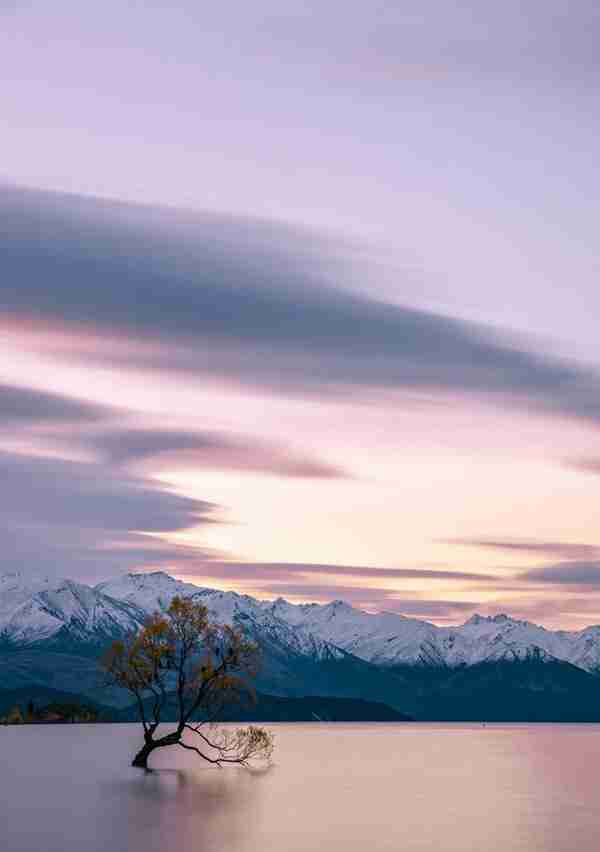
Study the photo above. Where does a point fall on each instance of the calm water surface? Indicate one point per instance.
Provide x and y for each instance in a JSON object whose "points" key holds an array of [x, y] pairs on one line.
{"points": [[333, 787]]}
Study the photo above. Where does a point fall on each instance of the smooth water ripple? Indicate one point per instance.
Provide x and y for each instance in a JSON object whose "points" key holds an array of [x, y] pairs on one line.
{"points": [[334, 787]]}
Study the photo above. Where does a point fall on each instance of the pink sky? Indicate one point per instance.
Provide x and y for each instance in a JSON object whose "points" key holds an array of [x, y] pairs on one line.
{"points": [[354, 326]]}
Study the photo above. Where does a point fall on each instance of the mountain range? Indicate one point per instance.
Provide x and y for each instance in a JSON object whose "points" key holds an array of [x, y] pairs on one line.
{"points": [[51, 633]]}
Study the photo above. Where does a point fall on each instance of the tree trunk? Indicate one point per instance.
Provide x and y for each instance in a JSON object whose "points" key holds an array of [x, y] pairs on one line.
{"points": [[141, 758]]}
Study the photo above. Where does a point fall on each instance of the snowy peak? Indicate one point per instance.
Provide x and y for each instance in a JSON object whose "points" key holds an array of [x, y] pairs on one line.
{"points": [[147, 593], [501, 618], [38, 610], [41, 610], [476, 620]]}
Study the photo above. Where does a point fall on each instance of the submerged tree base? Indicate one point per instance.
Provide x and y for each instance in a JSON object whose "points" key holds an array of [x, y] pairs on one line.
{"points": [[180, 656], [141, 758], [240, 746]]}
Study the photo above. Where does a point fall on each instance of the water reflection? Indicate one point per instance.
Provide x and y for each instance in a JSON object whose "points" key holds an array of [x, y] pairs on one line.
{"points": [[205, 809], [338, 788]]}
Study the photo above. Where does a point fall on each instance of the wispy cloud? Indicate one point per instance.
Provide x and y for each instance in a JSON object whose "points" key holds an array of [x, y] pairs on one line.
{"points": [[323, 583], [85, 520], [252, 302], [573, 573], [97, 429], [379, 599], [206, 450], [557, 549], [576, 610], [25, 406], [584, 465], [285, 571]]}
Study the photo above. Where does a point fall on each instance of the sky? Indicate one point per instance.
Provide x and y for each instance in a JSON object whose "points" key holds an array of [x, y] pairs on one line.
{"points": [[301, 300]]}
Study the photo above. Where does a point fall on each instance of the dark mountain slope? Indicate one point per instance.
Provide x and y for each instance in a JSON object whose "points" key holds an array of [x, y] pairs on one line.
{"points": [[532, 690], [273, 708], [42, 696], [283, 673]]}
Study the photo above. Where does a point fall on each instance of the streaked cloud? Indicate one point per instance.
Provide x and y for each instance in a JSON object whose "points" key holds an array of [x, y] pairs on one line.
{"points": [[236, 570], [558, 549], [255, 303], [57, 491], [23, 406], [405, 602], [152, 447], [576, 611], [76, 519], [574, 573], [438, 610], [457, 140], [584, 465], [204, 450]]}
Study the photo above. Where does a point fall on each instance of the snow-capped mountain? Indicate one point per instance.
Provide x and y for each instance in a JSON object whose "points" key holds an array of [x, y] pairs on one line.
{"points": [[149, 593], [392, 640], [39, 611]]}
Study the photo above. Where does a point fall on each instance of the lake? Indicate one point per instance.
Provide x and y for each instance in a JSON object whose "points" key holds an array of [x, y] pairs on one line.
{"points": [[334, 787]]}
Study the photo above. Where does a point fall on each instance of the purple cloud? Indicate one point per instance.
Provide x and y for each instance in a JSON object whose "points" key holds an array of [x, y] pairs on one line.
{"points": [[25, 406], [559, 549], [584, 465], [86, 520], [254, 302], [208, 450], [574, 573], [231, 570]]}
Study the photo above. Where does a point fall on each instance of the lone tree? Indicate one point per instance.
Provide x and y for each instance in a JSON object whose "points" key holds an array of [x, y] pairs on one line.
{"points": [[193, 668]]}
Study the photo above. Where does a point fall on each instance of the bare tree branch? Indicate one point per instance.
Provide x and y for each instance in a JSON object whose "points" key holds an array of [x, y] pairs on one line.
{"points": [[202, 667]]}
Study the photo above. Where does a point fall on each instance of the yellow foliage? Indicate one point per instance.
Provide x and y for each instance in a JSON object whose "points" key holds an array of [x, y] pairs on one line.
{"points": [[202, 666]]}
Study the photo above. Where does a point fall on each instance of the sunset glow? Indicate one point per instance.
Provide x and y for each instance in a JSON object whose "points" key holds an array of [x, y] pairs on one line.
{"points": [[353, 358]]}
